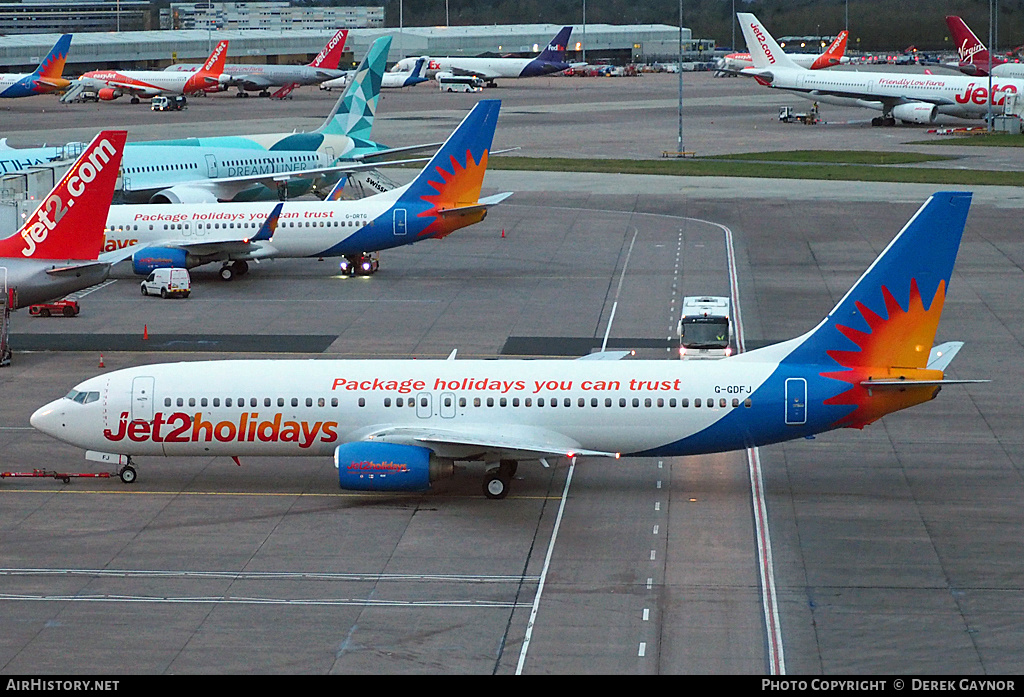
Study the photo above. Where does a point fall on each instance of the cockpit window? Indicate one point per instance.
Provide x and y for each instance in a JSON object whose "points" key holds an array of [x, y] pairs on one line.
{"points": [[82, 397]]}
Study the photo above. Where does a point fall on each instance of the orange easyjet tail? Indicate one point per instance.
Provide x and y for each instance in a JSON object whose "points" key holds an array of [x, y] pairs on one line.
{"points": [[70, 222], [210, 74], [834, 54]]}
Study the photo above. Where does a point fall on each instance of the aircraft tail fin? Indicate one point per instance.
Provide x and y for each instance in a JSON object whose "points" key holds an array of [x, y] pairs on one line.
{"points": [[330, 56], [971, 49], [833, 55], [70, 222], [354, 111], [53, 65], [883, 329], [555, 50], [454, 176], [214, 64], [211, 73], [765, 52]]}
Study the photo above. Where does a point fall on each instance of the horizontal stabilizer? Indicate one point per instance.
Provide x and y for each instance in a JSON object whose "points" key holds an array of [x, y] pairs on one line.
{"points": [[73, 269], [897, 383], [482, 205]]}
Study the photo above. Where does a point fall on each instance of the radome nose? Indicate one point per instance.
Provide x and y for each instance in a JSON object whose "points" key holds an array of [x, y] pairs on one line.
{"points": [[45, 418]]}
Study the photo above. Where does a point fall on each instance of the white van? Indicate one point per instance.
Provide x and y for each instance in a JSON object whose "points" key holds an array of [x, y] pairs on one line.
{"points": [[459, 83], [168, 283]]}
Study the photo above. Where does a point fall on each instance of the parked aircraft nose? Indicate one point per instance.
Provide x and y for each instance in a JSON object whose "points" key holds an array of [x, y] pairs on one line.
{"points": [[48, 418]]}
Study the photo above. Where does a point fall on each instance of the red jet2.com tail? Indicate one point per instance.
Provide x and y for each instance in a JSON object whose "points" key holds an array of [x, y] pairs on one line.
{"points": [[330, 56], [70, 222]]}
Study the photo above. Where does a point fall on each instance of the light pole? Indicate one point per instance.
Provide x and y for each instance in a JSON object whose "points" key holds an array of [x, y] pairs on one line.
{"points": [[680, 70], [584, 31], [991, 48]]}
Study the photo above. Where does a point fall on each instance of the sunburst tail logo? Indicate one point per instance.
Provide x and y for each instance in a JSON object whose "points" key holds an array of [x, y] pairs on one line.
{"points": [[885, 326], [444, 193]]}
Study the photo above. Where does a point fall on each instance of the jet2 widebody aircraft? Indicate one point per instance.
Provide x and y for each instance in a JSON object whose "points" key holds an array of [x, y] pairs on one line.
{"points": [[398, 425]]}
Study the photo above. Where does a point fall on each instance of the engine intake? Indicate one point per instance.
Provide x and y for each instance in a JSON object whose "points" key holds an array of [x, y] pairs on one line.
{"points": [[366, 466]]}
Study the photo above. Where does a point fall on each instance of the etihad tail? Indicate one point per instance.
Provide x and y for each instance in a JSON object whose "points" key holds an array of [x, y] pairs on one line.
{"points": [[765, 52], [330, 56], [555, 50], [354, 111], [446, 193], [874, 350], [70, 222], [833, 55]]}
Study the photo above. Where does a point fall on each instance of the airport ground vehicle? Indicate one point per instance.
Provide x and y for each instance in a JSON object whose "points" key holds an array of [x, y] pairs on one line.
{"points": [[459, 83], [168, 283], [705, 327], [64, 308], [166, 102]]}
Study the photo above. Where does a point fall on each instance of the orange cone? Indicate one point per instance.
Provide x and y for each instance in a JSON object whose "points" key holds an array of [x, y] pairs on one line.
{"points": [[502, 232], [145, 331], [101, 360]]}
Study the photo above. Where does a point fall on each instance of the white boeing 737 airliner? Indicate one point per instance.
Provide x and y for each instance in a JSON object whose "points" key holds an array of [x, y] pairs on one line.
{"points": [[442, 198], [397, 425], [907, 97]]}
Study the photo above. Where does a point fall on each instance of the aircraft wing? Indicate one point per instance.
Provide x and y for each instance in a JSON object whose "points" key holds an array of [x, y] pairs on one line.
{"points": [[501, 443], [225, 188], [486, 74], [396, 151], [250, 82], [245, 246]]}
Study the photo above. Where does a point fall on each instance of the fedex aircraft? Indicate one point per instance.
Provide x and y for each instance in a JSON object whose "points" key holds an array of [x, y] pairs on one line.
{"points": [[48, 77], [974, 55], [444, 197], [56, 250], [906, 97], [397, 425], [260, 77], [550, 60], [734, 63], [111, 84], [390, 79]]}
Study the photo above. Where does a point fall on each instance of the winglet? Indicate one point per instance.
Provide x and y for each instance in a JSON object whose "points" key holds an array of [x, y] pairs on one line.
{"points": [[70, 222], [269, 227]]}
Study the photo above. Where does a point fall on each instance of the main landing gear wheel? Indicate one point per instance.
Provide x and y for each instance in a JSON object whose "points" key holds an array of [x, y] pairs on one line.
{"points": [[496, 485], [128, 474]]}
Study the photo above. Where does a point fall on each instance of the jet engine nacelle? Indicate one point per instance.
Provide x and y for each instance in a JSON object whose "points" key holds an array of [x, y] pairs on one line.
{"points": [[108, 94], [915, 112], [146, 260], [366, 466], [184, 194]]}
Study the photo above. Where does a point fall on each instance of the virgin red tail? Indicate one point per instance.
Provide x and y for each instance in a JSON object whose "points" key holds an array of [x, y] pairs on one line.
{"points": [[70, 222]]}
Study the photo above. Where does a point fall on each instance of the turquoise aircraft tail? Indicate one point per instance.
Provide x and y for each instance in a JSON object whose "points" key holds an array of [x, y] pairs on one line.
{"points": [[353, 114]]}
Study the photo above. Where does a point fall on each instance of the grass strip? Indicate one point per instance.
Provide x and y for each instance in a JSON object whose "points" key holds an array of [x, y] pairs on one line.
{"points": [[782, 170], [990, 140]]}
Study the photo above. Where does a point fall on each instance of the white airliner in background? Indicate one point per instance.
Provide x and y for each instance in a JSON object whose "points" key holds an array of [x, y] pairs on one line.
{"points": [[907, 97], [392, 79], [735, 63], [398, 425], [549, 61], [444, 197]]}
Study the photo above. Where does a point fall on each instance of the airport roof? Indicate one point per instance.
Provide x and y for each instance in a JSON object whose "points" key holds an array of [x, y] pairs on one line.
{"points": [[150, 48]]}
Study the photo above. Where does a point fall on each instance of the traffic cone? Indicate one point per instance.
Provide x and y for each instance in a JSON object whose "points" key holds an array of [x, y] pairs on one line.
{"points": [[145, 331], [101, 361], [503, 232]]}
